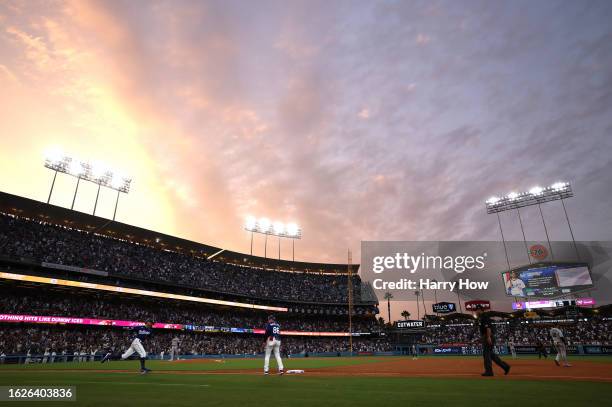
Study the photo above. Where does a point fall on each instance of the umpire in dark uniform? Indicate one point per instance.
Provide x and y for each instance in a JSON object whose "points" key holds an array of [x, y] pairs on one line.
{"points": [[487, 336]]}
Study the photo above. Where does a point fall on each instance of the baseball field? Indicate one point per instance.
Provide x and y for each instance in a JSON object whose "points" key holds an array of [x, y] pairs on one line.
{"points": [[358, 381]]}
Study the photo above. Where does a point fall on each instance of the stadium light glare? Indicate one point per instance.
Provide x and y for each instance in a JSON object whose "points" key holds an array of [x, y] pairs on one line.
{"points": [[264, 225], [292, 229], [267, 227], [98, 170], [116, 181], [536, 195], [493, 200], [278, 228], [250, 223], [99, 174], [536, 190], [54, 155], [76, 168], [559, 186]]}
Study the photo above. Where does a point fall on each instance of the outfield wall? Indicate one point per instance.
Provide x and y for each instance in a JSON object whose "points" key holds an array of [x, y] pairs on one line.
{"points": [[423, 350]]}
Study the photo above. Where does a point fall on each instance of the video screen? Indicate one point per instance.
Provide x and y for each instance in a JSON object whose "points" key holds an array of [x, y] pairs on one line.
{"points": [[547, 281]]}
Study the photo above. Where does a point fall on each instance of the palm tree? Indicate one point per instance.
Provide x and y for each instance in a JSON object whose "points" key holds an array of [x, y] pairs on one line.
{"points": [[388, 297], [423, 299], [417, 293], [405, 314]]}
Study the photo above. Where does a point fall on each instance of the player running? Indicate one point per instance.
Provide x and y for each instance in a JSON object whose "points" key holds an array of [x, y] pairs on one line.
{"points": [[559, 342], [140, 334], [273, 341]]}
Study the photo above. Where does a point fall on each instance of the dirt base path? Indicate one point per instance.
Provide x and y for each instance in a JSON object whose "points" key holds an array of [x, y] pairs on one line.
{"points": [[466, 368], [472, 368]]}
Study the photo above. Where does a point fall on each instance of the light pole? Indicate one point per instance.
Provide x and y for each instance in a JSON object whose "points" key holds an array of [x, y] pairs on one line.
{"points": [[265, 227], [75, 192], [59, 162], [536, 196], [96, 203], [52, 185]]}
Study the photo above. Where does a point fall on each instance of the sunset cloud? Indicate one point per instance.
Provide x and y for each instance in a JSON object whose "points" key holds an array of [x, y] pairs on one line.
{"points": [[377, 120]]}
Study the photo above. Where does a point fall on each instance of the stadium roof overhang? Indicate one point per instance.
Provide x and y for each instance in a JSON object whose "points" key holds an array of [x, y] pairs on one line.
{"points": [[58, 215]]}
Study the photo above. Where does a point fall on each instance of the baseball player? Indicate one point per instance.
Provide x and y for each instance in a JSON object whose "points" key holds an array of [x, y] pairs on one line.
{"points": [[515, 285], [140, 334], [512, 349], [174, 348], [559, 342], [415, 354], [273, 342]]}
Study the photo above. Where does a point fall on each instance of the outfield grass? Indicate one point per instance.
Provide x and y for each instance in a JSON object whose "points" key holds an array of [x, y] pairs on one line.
{"points": [[168, 389], [208, 364]]}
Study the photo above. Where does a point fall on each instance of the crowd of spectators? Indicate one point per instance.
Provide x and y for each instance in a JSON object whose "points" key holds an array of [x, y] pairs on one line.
{"points": [[46, 303], [81, 342], [24, 238], [595, 331]]}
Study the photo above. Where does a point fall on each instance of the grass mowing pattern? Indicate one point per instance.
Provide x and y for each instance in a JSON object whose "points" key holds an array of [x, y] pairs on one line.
{"points": [[211, 364], [127, 389]]}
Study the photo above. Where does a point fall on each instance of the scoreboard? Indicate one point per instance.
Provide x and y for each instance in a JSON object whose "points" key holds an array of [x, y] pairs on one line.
{"points": [[547, 280]]}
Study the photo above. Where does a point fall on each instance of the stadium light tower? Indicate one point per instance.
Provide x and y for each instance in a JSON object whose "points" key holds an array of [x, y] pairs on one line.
{"points": [[97, 173], [279, 229], [535, 196]]}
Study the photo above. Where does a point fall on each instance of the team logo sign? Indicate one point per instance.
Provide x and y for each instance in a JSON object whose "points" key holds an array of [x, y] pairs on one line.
{"points": [[538, 252], [472, 305], [409, 324], [444, 307]]}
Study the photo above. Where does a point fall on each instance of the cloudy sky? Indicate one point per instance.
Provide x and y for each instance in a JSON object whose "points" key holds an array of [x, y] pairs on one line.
{"points": [[361, 120]]}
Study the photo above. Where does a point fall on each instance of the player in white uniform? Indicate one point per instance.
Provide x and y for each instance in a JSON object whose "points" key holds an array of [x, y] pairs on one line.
{"points": [[512, 349], [273, 343], [174, 348], [515, 285], [415, 354], [559, 342], [141, 333]]}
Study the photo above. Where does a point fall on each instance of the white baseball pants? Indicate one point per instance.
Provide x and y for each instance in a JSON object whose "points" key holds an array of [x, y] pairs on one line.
{"points": [[136, 346], [274, 344], [561, 352]]}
